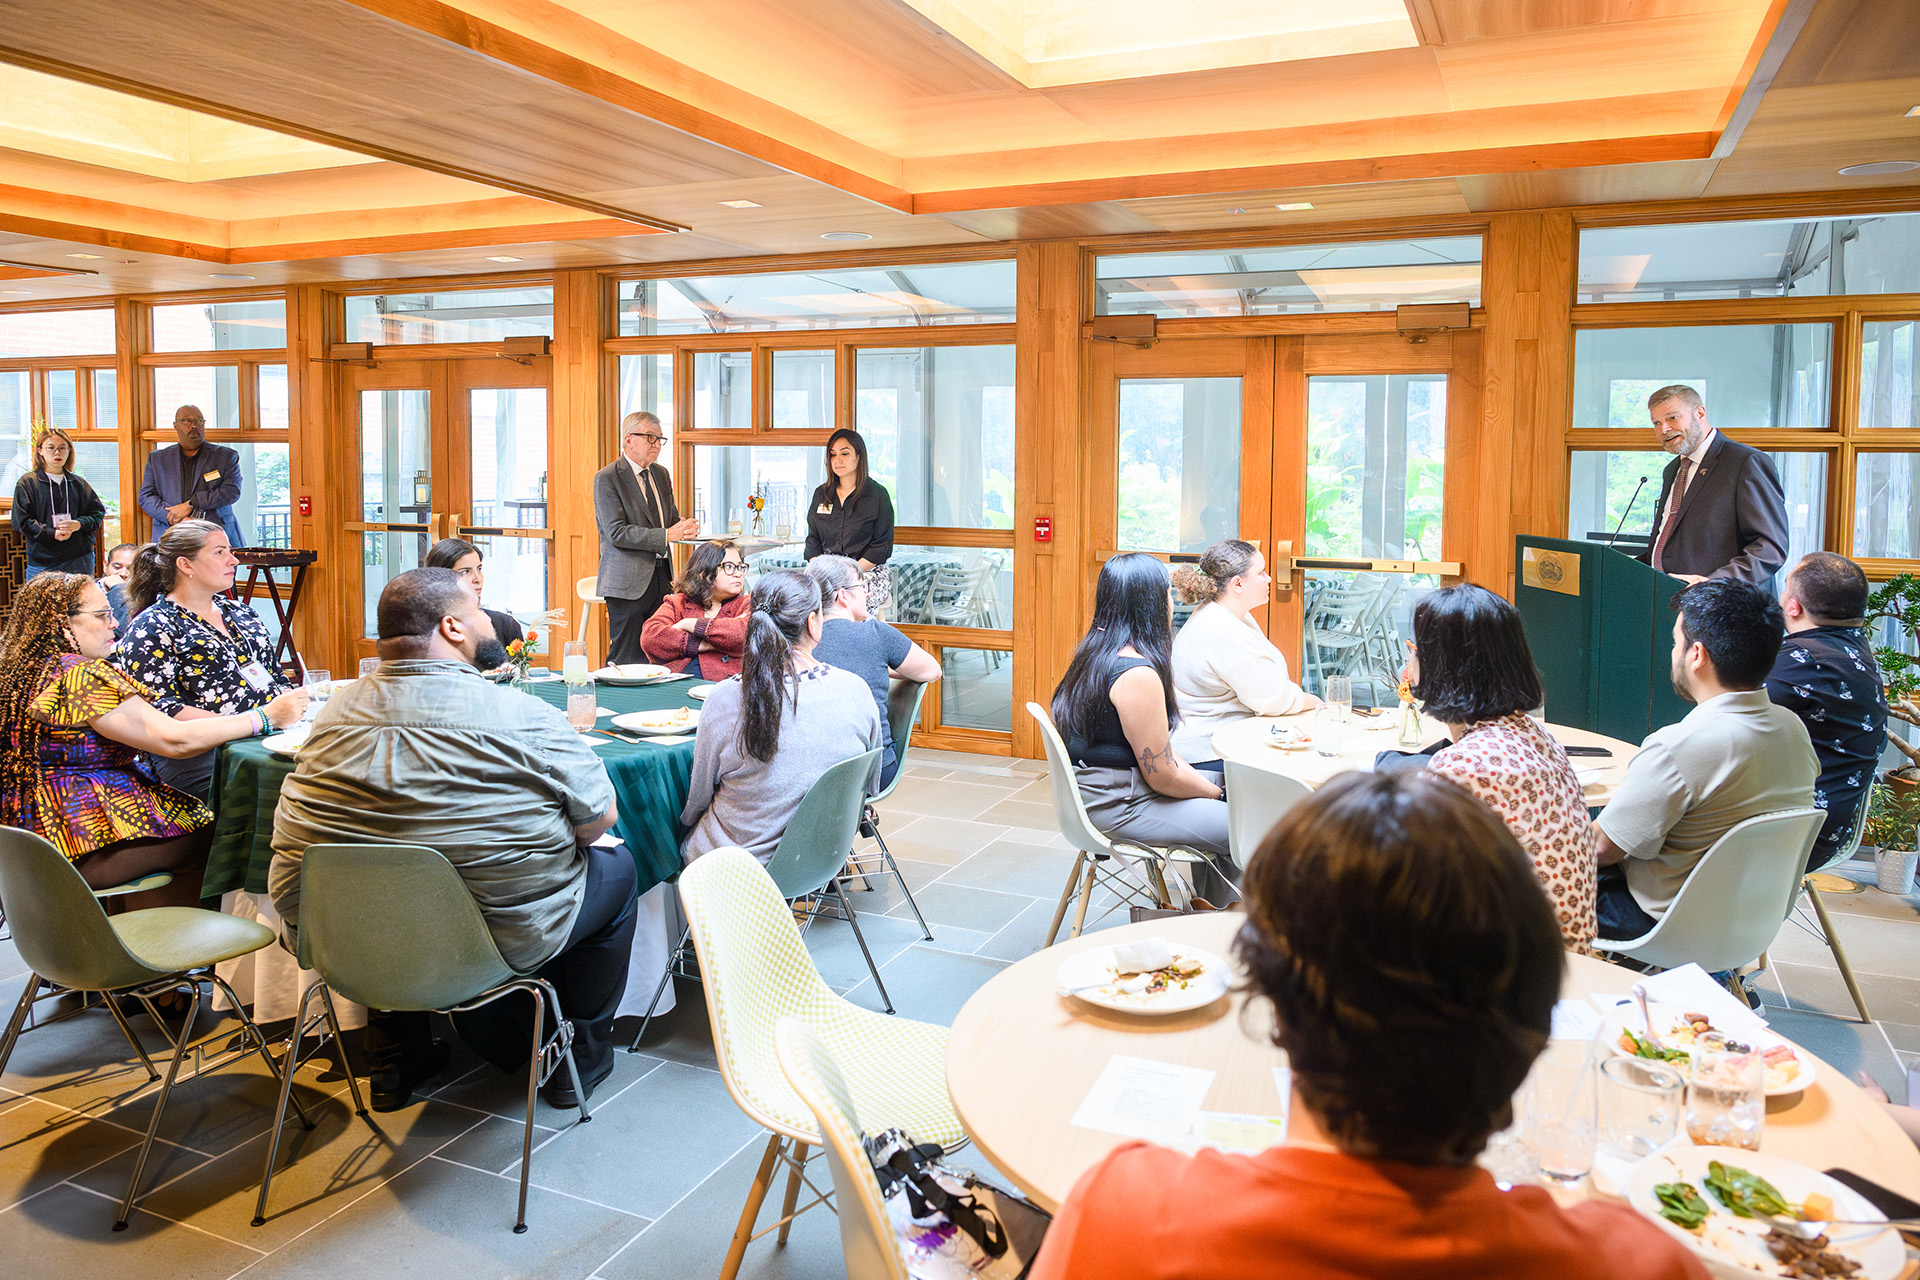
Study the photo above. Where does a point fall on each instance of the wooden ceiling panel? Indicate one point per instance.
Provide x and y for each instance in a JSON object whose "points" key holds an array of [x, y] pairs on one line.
{"points": [[1463, 20], [1050, 222], [1846, 41], [1433, 197], [1701, 51], [1605, 184], [1800, 138]]}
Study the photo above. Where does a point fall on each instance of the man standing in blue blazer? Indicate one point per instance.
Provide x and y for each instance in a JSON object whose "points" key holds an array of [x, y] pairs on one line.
{"points": [[192, 479]]}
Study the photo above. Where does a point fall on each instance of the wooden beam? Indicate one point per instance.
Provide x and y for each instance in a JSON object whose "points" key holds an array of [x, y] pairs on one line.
{"points": [[324, 467], [585, 389]]}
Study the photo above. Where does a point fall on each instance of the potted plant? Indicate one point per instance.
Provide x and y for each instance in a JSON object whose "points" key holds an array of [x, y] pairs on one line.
{"points": [[1898, 599], [1888, 832]]}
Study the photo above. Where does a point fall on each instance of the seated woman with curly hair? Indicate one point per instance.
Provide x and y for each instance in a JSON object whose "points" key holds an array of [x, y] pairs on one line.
{"points": [[702, 626], [70, 768], [1410, 965]]}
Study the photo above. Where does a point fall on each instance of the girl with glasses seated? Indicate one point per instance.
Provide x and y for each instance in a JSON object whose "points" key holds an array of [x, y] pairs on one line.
{"points": [[702, 624], [70, 765]]}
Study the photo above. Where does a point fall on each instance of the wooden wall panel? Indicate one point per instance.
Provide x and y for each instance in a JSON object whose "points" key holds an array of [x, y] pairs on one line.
{"points": [[1053, 582], [583, 438], [324, 466]]}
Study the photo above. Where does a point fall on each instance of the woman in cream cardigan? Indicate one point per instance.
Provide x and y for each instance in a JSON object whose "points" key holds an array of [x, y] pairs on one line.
{"points": [[1224, 667]]}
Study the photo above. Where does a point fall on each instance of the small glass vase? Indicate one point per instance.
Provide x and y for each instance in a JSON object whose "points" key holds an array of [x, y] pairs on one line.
{"points": [[1410, 732], [759, 524], [522, 680]]}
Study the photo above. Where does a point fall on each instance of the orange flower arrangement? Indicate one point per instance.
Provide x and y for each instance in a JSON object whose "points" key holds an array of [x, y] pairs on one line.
{"points": [[520, 653]]}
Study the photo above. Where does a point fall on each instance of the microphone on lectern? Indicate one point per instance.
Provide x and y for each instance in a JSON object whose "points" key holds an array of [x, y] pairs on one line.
{"points": [[1623, 515]]}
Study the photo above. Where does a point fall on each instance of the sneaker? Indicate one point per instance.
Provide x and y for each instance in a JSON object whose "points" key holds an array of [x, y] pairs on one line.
{"points": [[392, 1088]]}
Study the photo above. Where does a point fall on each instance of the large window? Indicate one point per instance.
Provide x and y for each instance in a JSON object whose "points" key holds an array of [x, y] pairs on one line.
{"points": [[835, 298], [938, 422], [56, 333], [1749, 375], [1367, 276], [56, 370], [1179, 462], [467, 315], [220, 326], [1777, 258]]}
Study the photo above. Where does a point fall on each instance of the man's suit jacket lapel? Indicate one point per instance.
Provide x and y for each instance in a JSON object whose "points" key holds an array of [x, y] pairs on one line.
{"points": [[663, 486], [631, 496], [1706, 471]]}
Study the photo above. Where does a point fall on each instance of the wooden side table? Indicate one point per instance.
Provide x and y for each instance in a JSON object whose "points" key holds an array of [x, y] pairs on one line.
{"points": [[260, 562]]}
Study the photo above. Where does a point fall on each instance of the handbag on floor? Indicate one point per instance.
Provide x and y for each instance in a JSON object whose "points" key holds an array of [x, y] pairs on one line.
{"points": [[949, 1223]]}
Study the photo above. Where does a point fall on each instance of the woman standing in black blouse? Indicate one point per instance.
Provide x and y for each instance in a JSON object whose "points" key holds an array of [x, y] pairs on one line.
{"points": [[851, 515]]}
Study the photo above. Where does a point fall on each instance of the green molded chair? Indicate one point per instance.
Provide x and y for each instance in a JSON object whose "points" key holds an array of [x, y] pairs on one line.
{"points": [[67, 938], [756, 971], [392, 926], [903, 712], [813, 850]]}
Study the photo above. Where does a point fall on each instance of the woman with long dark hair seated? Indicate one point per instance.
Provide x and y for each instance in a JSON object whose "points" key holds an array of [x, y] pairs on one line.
{"points": [[1411, 967], [1115, 709], [70, 766], [1473, 670], [463, 558], [768, 734], [702, 624]]}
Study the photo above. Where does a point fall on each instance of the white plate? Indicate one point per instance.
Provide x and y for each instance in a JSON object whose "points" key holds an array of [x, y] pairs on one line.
{"points": [[648, 721], [631, 673], [1664, 1015], [1092, 966], [288, 743], [1740, 1242], [701, 691]]}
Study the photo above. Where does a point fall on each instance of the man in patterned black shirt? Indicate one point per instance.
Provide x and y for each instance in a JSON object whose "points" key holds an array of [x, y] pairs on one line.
{"points": [[1826, 675]]}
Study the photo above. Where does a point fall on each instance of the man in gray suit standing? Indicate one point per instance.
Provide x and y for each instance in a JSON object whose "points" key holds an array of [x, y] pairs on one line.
{"points": [[192, 479], [1722, 512], [633, 505]]}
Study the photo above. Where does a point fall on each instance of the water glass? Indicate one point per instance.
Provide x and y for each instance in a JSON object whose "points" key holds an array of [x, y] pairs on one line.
{"points": [[319, 686], [1340, 691], [1508, 1156], [1329, 729], [734, 525], [1562, 1110], [574, 666], [583, 704], [1640, 1106], [783, 530], [368, 666], [1726, 1093]]}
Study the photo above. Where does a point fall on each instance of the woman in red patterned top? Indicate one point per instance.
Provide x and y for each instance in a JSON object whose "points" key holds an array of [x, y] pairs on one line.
{"points": [[70, 768], [1473, 671], [702, 626]]}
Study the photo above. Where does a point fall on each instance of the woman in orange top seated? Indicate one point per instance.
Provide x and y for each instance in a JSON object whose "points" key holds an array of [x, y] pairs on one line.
{"points": [[70, 766], [702, 626], [1412, 964]]}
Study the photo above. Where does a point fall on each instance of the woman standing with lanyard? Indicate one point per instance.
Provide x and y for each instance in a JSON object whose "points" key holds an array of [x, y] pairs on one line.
{"points": [[851, 515], [198, 652], [55, 512]]}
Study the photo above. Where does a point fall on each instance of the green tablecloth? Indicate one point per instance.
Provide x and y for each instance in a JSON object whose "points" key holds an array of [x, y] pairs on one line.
{"points": [[649, 781]]}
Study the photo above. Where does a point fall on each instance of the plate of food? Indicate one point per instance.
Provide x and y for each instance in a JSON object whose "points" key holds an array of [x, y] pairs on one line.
{"points": [[1763, 1215], [1675, 1029], [1148, 976], [672, 720], [630, 673], [701, 691], [288, 744], [1289, 737]]}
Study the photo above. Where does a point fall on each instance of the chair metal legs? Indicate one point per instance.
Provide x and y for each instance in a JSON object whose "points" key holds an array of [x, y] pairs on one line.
{"points": [[859, 937], [675, 962], [1154, 892], [1839, 955], [30, 996], [302, 1022], [870, 826]]}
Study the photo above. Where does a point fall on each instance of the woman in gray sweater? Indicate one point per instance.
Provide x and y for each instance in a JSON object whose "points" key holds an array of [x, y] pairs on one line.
{"points": [[768, 733]]}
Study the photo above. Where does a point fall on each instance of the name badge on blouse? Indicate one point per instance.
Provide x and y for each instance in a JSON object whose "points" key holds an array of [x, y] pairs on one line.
{"points": [[823, 510], [256, 677], [211, 477]]}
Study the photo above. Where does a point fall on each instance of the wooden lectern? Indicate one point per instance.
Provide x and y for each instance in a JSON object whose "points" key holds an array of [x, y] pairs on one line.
{"points": [[1600, 624]]}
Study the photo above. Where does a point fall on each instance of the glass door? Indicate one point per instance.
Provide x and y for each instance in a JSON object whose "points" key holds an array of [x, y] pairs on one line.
{"points": [[453, 448]]}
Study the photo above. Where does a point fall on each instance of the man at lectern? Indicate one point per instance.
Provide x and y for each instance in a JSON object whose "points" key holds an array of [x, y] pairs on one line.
{"points": [[1722, 512]]}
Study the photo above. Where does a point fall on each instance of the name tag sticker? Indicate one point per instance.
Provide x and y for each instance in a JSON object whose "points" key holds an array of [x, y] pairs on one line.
{"points": [[823, 510], [211, 476], [256, 677]]}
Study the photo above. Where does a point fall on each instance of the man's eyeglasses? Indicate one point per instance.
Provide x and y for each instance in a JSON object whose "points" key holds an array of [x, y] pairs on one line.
{"points": [[732, 568], [189, 422], [645, 436]]}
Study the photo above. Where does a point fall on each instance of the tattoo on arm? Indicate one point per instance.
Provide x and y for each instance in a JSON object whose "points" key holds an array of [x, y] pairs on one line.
{"points": [[1147, 756]]}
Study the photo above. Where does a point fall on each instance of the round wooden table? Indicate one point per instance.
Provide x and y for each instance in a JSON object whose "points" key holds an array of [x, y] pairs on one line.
{"points": [[1021, 1058], [1251, 742]]}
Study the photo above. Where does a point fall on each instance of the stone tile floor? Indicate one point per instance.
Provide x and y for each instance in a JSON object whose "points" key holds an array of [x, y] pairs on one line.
{"points": [[652, 1187]]}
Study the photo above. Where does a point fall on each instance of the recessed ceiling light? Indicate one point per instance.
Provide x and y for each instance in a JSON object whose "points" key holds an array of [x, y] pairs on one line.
{"points": [[1913, 111], [1236, 211], [20, 292], [845, 235], [502, 257], [741, 204], [228, 275], [1294, 207], [89, 256], [1879, 168]]}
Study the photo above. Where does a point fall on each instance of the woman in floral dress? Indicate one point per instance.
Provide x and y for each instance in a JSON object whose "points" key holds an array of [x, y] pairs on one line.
{"points": [[70, 766], [1473, 670]]}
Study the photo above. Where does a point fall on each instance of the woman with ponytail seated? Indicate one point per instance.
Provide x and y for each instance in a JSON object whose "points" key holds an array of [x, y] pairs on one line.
{"points": [[768, 734], [1410, 966], [70, 768], [1224, 667], [199, 652], [1115, 709]]}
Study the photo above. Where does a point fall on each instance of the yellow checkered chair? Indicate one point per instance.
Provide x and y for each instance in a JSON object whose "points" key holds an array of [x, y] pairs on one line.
{"points": [[866, 1233], [755, 972]]}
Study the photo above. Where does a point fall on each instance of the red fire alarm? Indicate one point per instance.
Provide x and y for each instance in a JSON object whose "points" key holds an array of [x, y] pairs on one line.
{"points": [[1043, 528], [306, 505]]}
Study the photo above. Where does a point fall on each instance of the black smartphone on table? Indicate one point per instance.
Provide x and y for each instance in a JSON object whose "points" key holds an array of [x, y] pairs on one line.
{"points": [[1589, 751], [1887, 1201]]}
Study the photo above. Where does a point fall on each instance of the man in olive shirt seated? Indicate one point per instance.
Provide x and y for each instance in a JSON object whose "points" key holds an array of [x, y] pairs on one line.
{"points": [[426, 752], [1734, 757]]}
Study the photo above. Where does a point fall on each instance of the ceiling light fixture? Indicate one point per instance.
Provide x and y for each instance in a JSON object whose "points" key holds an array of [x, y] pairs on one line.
{"points": [[1294, 207], [227, 275], [88, 256], [845, 235], [24, 293], [502, 257], [1913, 111], [1879, 168], [741, 204]]}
